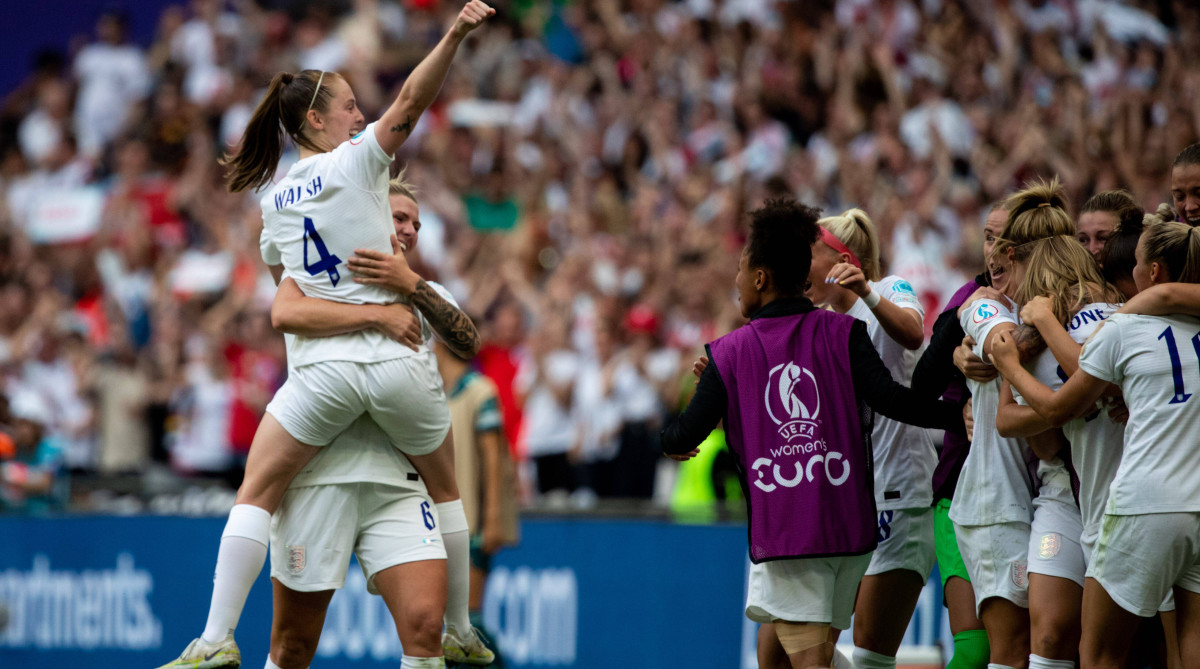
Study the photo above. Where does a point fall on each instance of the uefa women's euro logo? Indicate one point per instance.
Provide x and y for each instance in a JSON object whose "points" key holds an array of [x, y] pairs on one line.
{"points": [[793, 400]]}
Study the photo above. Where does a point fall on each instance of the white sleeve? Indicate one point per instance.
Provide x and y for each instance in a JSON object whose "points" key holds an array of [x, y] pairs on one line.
{"points": [[266, 247], [362, 160], [979, 319], [900, 293], [1101, 353]]}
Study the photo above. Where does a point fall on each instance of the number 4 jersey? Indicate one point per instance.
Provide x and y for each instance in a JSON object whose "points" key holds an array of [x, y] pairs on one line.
{"points": [[314, 218], [1156, 362]]}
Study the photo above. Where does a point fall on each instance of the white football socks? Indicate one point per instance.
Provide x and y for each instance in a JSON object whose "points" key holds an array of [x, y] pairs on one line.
{"points": [[409, 662], [865, 659], [271, 665], [1039, 662], [993, 665], [239, 561], [456, 535]]}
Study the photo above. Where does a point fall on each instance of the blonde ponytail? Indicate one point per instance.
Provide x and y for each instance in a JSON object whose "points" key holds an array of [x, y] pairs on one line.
{"points": [[854, 229]]}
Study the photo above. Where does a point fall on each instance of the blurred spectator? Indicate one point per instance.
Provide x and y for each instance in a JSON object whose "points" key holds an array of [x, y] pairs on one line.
{"points": [[33, 477], [113, 78]]}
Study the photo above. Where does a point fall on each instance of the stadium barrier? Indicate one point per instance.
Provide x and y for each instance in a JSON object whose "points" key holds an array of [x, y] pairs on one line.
{"points": [[577, 592]]}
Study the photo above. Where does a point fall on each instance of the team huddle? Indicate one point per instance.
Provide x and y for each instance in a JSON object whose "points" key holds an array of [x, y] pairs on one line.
{"points": [[1063, 507]]}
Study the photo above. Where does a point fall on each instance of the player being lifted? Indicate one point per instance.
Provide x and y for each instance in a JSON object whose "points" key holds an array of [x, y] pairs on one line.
{"points": [[333, 201]]}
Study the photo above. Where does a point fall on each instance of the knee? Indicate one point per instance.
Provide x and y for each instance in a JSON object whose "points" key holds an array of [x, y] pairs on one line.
{"points": [[290, 650], [1055, 641], [421, 627]]}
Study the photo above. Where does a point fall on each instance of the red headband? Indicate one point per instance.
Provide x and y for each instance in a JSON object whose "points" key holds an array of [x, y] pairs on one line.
{"points": [[836, 244]]}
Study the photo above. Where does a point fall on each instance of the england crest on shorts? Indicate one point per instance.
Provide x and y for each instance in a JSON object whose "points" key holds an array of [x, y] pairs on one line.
{"points": [[1020, 574], [296, 559]]}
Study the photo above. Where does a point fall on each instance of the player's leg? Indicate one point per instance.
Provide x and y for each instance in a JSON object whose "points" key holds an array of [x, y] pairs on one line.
{"points": [[971, 648], [1056, 571], [996, 558], [888, 593], [885, 605], [808, 645], [1187, 618], [296, 625], [1107, 630], [408, 403], [1007, 628], [437, 468], [1054, 612], [415, 594], [770, 653], [1169, 623], [404, 561]]}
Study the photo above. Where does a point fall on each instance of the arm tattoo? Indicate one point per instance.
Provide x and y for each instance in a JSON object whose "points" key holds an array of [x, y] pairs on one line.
{"points": [[405, 127], [1029, 341], [449, 322]]}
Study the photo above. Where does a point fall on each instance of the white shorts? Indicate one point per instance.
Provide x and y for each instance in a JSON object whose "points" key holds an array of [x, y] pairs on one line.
{"points": [[403, 396], [316, 528], [905, 542], [1139, 558], [1055, 537], [996, 558], [1088, 543], [806, 590]]}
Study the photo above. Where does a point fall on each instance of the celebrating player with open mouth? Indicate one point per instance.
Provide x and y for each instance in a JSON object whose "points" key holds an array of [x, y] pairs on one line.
{"points": [[1148, 541], [333, 201]]}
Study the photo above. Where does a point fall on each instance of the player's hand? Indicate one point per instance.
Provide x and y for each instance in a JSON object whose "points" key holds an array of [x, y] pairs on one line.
{"points": [[399, 322], [1039, 311], [699, 366], [970, 364], [969, 419], [375, 268], [471, 17], [984, 293], [1005, 355], [683, 457], [849, 277]]}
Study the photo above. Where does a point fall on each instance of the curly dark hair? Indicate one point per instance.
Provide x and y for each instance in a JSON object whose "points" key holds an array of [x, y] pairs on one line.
{"points": [[782, 232]]}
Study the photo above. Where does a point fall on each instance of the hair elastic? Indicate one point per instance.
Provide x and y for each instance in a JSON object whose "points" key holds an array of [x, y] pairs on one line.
{"points": [[316, 90], [1045, 204], [836, 244]]}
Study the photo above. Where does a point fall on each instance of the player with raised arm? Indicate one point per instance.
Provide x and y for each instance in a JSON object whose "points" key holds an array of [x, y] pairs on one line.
{"points": [[331, 202], [1151, 529], [792, 387], [366, 491], [845, 276]]}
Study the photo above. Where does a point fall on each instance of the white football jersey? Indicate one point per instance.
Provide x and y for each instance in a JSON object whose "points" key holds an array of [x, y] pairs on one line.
{"points": [[363, 453], [1096, 441], [1156, 362], [995, 485], [905, 456], [327, 206]]}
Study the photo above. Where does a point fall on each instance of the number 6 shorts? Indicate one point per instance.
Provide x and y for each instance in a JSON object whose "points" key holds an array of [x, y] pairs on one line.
{"points": [[316, 528], [404, 397]]}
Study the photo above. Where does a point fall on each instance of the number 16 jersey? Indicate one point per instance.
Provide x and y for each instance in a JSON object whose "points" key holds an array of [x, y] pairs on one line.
{"points": [[1156, 361], [314, 218]]}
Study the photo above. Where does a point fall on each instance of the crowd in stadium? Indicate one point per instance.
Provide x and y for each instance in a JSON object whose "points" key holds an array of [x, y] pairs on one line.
{"points": [[583, 180]]}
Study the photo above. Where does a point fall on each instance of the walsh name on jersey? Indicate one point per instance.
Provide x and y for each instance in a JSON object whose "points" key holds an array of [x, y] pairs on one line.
{"points": [[287, 198]]}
